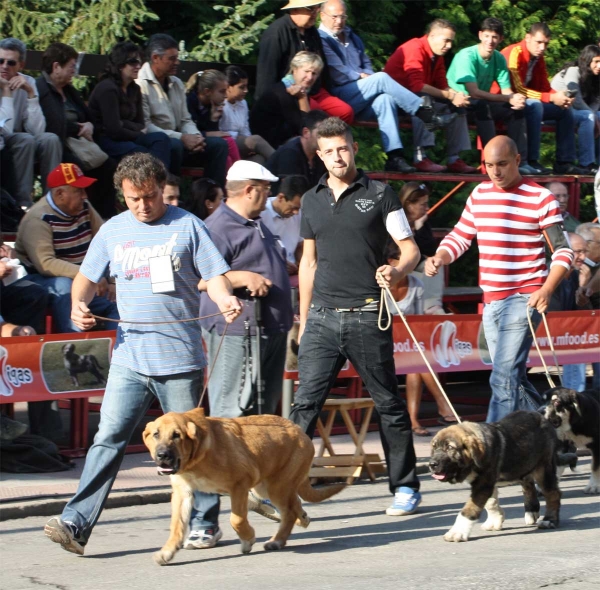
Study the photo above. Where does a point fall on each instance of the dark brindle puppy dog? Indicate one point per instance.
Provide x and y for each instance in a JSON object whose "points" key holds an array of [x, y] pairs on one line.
{"points": [[81, 363], [576, 417], [519, 448]]}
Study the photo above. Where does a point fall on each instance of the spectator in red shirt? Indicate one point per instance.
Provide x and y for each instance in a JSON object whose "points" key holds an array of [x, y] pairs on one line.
{"points": [[419, 66]]}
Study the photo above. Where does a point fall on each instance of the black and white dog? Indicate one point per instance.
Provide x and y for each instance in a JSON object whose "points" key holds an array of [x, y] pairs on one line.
{"points": [[576, 417], [81, 363]]}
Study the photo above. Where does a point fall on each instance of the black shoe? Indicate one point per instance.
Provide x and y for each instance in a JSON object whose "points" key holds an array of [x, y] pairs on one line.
{"points": [[539, 168], [569, 169], [430, 118], [399, 164], [591, 169]]}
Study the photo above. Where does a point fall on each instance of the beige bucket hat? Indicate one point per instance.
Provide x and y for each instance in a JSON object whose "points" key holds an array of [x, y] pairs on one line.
{"points": [[301, 4]]}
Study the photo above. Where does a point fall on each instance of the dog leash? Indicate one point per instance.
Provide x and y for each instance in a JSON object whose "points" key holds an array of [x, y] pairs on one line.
{"points": [[537, 347], [204, 317], [384, 303]]}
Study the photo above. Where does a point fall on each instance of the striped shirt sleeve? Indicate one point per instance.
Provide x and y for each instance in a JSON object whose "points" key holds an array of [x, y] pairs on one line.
{"points": [[458, 241]]}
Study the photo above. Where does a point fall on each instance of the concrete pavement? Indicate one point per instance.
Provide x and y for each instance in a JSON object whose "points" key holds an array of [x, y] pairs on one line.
{"points": [[44, 494], [350, 545]]}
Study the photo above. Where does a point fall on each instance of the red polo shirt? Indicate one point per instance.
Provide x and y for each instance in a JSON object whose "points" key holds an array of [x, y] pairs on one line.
{"points": [[411, 65]]}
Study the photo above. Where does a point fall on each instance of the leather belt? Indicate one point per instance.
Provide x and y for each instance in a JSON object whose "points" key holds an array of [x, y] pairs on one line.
{"points": [[372, 306]]}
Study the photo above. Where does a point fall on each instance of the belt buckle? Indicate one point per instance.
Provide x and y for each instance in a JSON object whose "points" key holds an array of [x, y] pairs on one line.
{"points": [[342, 309]]}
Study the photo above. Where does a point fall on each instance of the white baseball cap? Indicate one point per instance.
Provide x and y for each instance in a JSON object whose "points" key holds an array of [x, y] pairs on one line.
{"points": [[246, 170]]}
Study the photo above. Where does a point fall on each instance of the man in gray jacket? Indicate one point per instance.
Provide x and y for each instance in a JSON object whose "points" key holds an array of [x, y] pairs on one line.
{"points": [[165, 109], [25, 137]]}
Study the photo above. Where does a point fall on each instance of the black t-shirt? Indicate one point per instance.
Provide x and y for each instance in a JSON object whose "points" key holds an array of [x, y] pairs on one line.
{"points": [[290, 159], [350, 238]]}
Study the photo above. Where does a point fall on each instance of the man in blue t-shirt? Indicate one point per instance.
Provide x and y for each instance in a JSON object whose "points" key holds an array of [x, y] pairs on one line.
{"points": [[157, 255]]}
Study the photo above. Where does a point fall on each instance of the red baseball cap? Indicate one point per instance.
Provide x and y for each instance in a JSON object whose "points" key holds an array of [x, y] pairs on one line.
{"points": [[68, 174]]}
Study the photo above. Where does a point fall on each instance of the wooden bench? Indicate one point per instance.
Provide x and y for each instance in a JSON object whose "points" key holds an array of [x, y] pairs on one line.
{"points": [[349, 466]]}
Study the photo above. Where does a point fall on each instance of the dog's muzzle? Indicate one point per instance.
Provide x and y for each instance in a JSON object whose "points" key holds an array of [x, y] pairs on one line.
{"points": [[166, 462]]}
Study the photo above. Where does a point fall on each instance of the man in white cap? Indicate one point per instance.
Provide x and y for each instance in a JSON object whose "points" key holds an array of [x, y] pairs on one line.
{"points": [[259, 278]]}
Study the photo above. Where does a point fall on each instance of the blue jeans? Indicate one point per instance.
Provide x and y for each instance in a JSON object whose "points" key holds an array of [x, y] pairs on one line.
{"points": [[537, 111], [127, 397], [509, 340], [331, 337], [158, 144], [380, 96], [574, 376], [213, 159], [585, 123], [59, 290], [230, 393]]}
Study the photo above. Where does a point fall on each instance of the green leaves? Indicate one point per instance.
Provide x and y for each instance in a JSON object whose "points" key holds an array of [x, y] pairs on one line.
{"points": [[237, 34]]}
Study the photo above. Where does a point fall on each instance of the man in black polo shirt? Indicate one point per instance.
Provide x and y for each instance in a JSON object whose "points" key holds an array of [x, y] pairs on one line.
{"points": [[299, 155], [346, 222]]}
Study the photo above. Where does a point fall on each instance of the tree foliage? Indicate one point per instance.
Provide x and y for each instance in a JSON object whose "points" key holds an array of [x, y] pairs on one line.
{"points": [[93, 26], [236, 34]]}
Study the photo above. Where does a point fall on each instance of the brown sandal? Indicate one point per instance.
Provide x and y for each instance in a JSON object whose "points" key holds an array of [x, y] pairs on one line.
{"points": [[420, 431]]}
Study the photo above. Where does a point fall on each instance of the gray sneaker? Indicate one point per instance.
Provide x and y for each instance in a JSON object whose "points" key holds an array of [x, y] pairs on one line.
{"points": [[64, 533], [204, 539], [263, 507]]}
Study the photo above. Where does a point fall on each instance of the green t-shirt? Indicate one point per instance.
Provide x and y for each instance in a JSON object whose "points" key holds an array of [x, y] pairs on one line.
{"points": [[469, 66]]}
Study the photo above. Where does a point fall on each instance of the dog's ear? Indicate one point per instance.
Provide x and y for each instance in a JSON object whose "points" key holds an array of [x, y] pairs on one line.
{"points": [[147, 431], [191, 430], [477, 451]]}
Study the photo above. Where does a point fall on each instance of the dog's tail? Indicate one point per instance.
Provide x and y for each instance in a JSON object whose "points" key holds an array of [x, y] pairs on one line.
{"points": [[310, 494], [96, 363]]}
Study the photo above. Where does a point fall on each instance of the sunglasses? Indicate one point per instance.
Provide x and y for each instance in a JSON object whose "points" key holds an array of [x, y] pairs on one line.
{"points": [[134, 61], [9, 62]]}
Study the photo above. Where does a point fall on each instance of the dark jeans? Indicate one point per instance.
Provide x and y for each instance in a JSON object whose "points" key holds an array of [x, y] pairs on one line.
{"points": [[158, 144], [487, 112], [213, 159], [331, 337]]}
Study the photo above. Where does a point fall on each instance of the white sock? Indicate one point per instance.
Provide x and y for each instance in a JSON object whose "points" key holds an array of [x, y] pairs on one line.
{"points": [[420, 154]]}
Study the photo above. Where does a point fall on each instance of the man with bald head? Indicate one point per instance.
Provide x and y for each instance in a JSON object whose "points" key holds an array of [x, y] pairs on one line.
{"points": [[513, 218], [561, 194]]}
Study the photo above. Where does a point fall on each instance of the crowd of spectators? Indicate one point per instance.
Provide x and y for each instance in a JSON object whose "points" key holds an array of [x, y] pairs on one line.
{"points": [[304, 75]]}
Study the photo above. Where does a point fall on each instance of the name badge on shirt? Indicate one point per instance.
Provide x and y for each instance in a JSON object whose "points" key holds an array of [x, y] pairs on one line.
{"points": [[161, 274]]}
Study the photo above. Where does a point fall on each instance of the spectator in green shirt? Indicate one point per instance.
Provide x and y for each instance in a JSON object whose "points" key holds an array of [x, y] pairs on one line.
{"points": [[473, 71]]}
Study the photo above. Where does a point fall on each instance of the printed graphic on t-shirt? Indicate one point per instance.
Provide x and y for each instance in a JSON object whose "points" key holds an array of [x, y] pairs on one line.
{"points": [[134, 259], [364, 205]]}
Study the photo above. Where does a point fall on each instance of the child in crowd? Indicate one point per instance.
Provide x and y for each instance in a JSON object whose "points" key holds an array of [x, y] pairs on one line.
{"points": [[234, 120], [409, 295], [205, 98]]}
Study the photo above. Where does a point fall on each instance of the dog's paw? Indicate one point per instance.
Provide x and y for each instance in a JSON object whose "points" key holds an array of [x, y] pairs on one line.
{"points": [[546, 523], [303, 520], [493, 523], [531, 518], [456, 536], [274, 545], [592, 488], [461, 531], [247, 545], [163, 557]]}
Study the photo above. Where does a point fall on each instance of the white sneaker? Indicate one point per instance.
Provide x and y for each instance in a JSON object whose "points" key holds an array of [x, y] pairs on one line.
{"points": [[204, 539]]}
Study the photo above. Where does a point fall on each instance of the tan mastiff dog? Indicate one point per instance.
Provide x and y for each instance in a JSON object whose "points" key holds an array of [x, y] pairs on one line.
{"points": [[268, 454]]}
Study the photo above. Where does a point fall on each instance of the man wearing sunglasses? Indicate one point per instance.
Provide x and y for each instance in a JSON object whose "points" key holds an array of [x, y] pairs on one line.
{"points": [[26, 140]]}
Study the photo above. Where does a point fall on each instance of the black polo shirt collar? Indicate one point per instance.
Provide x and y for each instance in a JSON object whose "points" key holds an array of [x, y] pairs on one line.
{"points": [[361, 180]]}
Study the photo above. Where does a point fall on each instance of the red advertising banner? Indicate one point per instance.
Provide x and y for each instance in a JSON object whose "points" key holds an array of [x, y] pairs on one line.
{"points": [[457, 343], [36, 368]]}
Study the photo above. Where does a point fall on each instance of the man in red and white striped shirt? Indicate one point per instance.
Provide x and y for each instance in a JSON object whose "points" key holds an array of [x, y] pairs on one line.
{"points": [[512, 219]]}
